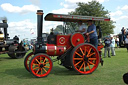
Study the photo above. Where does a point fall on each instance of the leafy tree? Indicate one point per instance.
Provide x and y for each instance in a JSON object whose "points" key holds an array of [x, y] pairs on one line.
{"points": [[96, 9]]}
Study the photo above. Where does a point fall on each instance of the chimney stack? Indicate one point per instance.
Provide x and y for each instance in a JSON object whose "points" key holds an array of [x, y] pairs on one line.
{"points": [[39, 25]]}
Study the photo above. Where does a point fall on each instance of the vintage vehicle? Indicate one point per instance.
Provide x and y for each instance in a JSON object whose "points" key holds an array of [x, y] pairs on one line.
{"points": [[10, 46], [70, 49]]}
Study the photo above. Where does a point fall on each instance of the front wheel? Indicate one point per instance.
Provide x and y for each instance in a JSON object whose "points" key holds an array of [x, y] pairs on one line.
{"points": [[27, 60], [16, 55], [85, 58], [16, 52], [40, 65]]}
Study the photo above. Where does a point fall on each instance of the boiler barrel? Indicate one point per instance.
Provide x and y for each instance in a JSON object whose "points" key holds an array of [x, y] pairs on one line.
{"points": [[51, 50]]}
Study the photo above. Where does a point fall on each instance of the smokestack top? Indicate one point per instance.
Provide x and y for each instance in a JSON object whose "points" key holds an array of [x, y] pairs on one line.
{"points": [[40, 12]]}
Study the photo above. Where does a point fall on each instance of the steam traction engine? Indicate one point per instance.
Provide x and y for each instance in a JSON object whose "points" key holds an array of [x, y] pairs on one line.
{"points": [[10, 46], [70, 49]]}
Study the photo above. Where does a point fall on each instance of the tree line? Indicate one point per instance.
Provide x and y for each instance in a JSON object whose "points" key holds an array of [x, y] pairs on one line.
{"points": [[95, 9]]}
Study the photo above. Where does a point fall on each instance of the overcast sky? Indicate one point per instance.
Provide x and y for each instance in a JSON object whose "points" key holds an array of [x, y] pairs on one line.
{"points": [[22, 18]]}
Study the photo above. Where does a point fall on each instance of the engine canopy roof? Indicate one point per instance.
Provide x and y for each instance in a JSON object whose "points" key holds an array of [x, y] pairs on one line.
{"points": [[73, 18]]}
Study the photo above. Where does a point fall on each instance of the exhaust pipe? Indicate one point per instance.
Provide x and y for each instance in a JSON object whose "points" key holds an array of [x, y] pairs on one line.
{"points": [[5, 26], [39, 25], [5, 29]]}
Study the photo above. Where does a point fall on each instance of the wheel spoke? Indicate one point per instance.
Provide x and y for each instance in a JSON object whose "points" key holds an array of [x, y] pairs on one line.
{"points": [[41, 71], [84, 67], [40, 59], [85, 51], [78, 58], [91, 63], [35, 64], [89, 66], [37, 61], [81, 65], [78, 54], [46, 66], [91, 58], [37, 71], [91, 54], [78, 63], [82, 51], [35, 68], [44, 69], [46, 63], [44, 60]]}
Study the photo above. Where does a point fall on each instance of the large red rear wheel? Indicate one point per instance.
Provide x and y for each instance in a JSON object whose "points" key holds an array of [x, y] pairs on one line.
{"points": [[40, 65], [27, 60], [85, 58]]}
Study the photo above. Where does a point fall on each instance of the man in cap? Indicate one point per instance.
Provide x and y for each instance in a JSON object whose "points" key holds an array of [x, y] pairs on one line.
{"points": [[82, 27], [107, 42], [91, 31]]}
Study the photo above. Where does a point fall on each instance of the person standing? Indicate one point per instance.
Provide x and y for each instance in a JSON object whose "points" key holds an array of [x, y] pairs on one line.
{"points": [[126, 42], [123, 30], [117, 41], [112, 46], [107, 42], [91, 31], [82, 27]]}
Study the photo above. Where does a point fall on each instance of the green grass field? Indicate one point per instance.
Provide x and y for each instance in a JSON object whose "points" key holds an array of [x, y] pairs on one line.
{"points": [[12, 72]]}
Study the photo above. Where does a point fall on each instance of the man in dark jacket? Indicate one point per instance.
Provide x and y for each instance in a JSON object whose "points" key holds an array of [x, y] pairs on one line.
{"points": [[107, 42], [91, 31]]}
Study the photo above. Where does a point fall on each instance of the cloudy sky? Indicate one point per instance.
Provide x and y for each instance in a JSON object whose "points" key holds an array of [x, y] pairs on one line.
{"points": [[22, 18]]}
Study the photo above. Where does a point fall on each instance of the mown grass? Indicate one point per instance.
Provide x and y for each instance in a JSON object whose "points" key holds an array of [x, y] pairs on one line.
{"points": [[12, 72]]}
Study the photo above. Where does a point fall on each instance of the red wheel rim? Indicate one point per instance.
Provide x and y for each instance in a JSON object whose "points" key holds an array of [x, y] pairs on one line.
{"points": [[85, 58], [27, 60], [40, 65]]}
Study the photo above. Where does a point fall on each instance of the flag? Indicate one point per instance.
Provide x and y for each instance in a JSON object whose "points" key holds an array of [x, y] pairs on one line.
{"points": [[32, 31]]}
